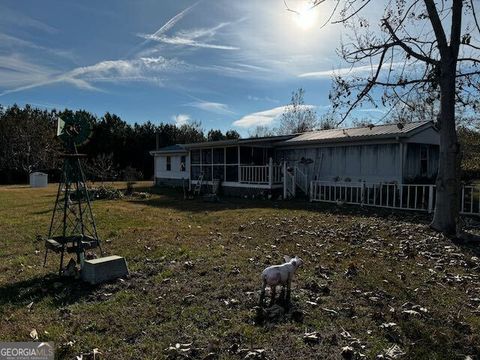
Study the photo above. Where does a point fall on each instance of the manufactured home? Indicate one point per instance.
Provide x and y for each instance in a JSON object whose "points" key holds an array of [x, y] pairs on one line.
{"points": [[388, 154]]}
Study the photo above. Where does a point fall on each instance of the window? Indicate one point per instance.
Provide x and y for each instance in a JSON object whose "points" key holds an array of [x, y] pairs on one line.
{"points": [[424, 160], [183, 161], [169, 163]]}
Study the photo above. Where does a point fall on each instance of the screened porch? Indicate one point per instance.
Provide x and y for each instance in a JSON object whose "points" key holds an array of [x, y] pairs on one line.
{"points": [[248, 166]]}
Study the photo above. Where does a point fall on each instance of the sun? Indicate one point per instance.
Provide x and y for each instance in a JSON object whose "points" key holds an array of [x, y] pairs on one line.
{"points": [[305, 17]]}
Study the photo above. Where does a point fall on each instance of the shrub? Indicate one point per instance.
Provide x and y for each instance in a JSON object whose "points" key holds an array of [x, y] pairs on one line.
{"points": [[105, 192]]}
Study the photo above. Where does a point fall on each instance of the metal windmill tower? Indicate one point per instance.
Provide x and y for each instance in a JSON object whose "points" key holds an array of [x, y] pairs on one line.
{"points": [[72, 228]]}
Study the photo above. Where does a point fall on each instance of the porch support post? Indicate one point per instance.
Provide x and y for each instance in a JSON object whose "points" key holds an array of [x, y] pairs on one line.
{"points": [[294, 183], [239, 169], [190, 169], [284, 180], [270, 172], [430, 199]]}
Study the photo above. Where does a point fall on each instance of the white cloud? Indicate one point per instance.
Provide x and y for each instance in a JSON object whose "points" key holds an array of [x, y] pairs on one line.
{"points": [[213, 107], [13, 42], [187, 37], [16, 71], [264, 118], [177, 40], [347, 70], [376, 110], [142, 69], [181, 119], [265, 98], [171, 23], [152, 68], [191, 37], [18, 18], [116, 70]]}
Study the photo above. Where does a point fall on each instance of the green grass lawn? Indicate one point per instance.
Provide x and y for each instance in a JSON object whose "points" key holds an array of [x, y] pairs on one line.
{"points": [[195, 270]]}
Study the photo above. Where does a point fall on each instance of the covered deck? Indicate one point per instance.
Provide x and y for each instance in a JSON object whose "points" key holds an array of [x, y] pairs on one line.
{"points": [[236, 163]]}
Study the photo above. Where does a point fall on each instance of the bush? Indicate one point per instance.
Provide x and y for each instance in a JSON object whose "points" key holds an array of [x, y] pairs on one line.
{"points": [[105, 192]]}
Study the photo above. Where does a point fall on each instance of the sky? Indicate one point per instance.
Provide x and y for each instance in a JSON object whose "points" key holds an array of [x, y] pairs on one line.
{"points": [[228, 64]]}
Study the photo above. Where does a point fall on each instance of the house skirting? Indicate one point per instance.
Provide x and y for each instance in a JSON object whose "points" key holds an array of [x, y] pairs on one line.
{"points": [[227, 188], [235, 191], [170, 182]]}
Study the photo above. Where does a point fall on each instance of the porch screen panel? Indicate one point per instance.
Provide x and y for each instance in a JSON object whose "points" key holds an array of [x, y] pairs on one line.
{"points": [[207, 172], [232, 155], [195, 156], [218, 156], [206, 156], [246, 155], [232, 173], [196, 170], [219, 172]]}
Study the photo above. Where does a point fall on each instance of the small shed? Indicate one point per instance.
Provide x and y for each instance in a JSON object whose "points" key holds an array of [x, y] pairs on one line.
{"points": [[38, 179]]}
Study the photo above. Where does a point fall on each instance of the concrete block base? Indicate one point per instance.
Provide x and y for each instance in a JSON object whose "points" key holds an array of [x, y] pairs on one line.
{"points": [[104, 269]]}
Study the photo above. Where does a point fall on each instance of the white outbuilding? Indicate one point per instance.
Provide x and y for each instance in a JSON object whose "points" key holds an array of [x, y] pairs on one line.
{"points": [[38, 179]]}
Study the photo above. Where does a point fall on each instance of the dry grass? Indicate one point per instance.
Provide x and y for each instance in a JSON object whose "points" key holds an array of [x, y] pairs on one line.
{"points": [[189, 259]]}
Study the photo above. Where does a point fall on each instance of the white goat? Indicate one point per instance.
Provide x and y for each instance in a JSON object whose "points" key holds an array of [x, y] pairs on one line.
{"points": [[279, 275]]}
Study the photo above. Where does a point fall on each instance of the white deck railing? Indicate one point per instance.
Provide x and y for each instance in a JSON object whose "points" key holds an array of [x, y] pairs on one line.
{"points": [[470, 201], [395, 196], [260, 174], [277, 174], [301, 180]]}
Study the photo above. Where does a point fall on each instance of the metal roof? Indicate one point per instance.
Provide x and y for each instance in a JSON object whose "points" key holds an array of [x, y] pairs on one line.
{"points": [[252, 140], [177, 148], [358, 133], [335, 135]]}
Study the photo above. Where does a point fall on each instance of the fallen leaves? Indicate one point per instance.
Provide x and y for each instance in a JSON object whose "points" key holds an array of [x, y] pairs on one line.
{"points": [[312, 337]]}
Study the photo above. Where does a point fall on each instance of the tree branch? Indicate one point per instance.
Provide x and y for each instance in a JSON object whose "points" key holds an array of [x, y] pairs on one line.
{"points": [[456, 28], [437, 27], [475, 16], [405, 47]]}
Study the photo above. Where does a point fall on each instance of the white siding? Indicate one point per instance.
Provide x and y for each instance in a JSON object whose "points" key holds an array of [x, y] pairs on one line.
{"points": [[370, 163], [427, 136], [174, 173]]}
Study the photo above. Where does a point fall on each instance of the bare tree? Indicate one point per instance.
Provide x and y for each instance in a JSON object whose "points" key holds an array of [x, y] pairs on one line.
{"points": [[420, 46], [261, 131], [327, 121], [298, 117], [27, 140], [102, 167]]}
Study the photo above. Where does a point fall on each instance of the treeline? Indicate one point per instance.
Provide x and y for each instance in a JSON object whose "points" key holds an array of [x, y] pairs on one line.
{"points": [[117, 150]]}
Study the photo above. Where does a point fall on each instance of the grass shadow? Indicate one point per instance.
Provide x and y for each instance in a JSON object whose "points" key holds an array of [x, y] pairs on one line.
{"points": [[64, 291], [173, 198]]}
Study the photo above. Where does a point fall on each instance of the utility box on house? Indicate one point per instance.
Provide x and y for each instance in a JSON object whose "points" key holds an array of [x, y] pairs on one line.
{"points": [[38, 179], [104, 269]]}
